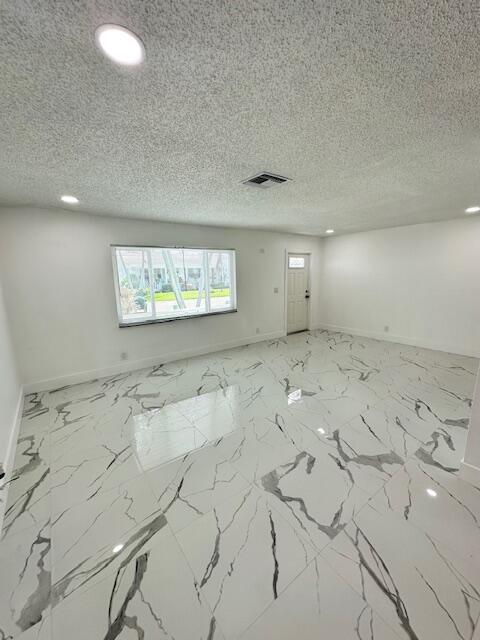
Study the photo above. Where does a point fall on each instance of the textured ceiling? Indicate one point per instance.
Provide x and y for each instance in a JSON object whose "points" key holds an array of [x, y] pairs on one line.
{"points": [[371, 107]]}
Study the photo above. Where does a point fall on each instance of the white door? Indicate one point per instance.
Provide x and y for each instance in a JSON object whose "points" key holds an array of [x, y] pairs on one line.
{"points": [[298, 293]]}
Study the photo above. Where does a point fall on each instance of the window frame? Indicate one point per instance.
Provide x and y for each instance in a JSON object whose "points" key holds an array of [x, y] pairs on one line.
{"points": [[136, 323]]}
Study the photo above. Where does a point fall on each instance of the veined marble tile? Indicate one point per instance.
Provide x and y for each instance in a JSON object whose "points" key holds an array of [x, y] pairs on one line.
{"points": [[326, 419], [86, 393], [174, 382], [191, 486], [444, 449], [91, 539], [448, 417], [319, 604], [368, 461], [366, 369], [29, 485], [41, 631], [243, 555], [161, 435], [25, 580], [219, 413], [418, 585], [108, 424], [72, 437], [449, 362], [36, 415], [259, 447], [216, 413], [81, 474], [315, 495], [397, 429], [359, 454], [153, 594], [435, 406], [440, 504], [72, 414], [347, 401]]}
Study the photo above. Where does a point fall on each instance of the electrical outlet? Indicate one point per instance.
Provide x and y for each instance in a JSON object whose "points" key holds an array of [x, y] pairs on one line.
{"points": [[124, 355], [257, 330], [386, 328], [262, 250], [275, 289]]}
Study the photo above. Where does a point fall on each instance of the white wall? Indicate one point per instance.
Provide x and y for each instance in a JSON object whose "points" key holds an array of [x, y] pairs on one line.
{"points": [[10, 397], [470, 469], [58, 286], [422, 281]]}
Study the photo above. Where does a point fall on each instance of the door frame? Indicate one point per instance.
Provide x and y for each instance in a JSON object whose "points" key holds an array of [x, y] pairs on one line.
{"points": [[309, 286]]}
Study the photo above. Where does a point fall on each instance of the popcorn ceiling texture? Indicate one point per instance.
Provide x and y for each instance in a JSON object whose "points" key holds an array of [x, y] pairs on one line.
{"points": [[371, 107]]}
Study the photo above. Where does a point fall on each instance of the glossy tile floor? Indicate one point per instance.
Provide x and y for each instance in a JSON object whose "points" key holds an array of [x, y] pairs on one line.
{"points": [[302, 488]]}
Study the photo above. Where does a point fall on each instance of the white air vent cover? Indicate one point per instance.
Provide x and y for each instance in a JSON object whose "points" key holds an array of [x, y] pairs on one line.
{"points": [[265, 180]]}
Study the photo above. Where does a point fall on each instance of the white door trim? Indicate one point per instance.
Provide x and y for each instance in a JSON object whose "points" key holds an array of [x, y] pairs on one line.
{"points": [[285, 297]]}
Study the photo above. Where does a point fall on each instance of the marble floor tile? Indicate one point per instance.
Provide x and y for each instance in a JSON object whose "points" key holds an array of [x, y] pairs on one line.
{"points": [[434, 406], [419, 586], [81, 474], [161, 435], [41, 631], [153, 594], [315, 495], [319, 604], [108, 424], [258, 447], [348, 400], [193, 485], [25, 580], [29, 485], [243, 555], [91, 539], [300, 487], [444, 449], [439, 503], [36, 415], [396, 428], [216, 413], [359, 454]]}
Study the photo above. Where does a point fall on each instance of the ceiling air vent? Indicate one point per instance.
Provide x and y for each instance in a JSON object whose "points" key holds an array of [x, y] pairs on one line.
{"points": [[265, 180]]}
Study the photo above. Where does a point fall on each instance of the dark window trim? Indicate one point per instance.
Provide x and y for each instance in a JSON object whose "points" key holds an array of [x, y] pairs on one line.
{"points": [[122, 325]]}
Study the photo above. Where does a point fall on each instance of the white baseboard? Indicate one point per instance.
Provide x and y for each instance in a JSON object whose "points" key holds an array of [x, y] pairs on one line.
{"points": [[10, 455], [470, 473], [414, 342], [132, 365]]}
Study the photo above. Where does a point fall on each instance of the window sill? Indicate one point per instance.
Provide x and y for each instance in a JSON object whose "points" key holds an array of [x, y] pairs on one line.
{"points": [[122, 325]]}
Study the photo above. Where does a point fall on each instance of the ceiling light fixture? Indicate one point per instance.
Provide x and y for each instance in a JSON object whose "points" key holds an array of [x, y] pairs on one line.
{"points": [[120, 45], [472, 209], [69, 199], [117, 548], [330, 231], [432, 493]]}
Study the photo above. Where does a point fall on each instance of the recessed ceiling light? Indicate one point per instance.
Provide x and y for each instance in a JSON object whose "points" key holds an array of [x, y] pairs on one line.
{"points": [[432, 493], [69, 199], [472, 210], [330, 231], [120, 44]]}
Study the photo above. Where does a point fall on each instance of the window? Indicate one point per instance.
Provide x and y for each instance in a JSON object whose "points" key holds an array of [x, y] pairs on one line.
{"points": [[156, 284], [296, 262]]}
